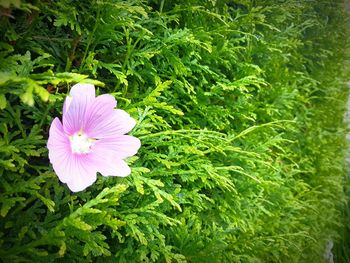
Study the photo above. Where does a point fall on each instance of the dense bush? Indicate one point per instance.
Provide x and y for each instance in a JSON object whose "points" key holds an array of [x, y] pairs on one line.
{"points": [[239, 107]]}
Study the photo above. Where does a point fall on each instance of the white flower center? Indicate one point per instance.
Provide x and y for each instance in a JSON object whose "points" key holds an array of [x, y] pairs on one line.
{"points": [[80, 143]]}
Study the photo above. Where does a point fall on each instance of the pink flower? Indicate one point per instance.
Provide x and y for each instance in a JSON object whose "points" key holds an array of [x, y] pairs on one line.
{"points": [[92, 139]]}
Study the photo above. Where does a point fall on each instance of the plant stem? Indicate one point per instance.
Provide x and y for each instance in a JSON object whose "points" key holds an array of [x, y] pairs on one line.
{"points": [[91, 37], [161, 6]]}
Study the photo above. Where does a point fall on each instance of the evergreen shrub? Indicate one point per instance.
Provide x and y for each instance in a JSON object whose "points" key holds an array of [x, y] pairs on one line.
{"points": [[239, 108]]}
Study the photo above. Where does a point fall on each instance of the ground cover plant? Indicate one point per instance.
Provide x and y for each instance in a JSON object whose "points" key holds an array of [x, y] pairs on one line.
{"points": [[239, 108]]}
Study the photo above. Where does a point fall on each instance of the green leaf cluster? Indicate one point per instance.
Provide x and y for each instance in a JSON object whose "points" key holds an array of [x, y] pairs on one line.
{"points": [[239, 108]]}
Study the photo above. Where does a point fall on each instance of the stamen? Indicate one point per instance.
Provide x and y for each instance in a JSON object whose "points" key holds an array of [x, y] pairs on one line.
{"points": [[80, 143]]}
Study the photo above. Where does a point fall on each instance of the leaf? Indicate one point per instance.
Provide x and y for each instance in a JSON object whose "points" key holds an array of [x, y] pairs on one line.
{"points": [[2, 101], [63, 249], [27, 96], [8, 203], [152, 96], [49, 203], [78, 223], [8, 3], [96, 245], [43, 93]]}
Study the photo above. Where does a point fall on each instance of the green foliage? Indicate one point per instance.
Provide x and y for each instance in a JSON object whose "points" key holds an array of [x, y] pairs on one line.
{"points": [[239, 107]]}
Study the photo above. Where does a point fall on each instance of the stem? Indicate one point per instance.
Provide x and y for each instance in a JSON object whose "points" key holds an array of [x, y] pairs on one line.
{"points": [[127, 56], [91, 37], [49, 105], [179, 132], [161, 6], [71, 55], [24, 205]]}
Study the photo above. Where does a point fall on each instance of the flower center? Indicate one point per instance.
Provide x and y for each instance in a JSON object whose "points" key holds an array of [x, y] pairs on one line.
{"points": [[80, 143]]}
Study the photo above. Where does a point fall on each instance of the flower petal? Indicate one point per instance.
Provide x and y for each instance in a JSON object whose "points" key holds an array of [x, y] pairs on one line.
{"points": [[59, 148], [117, 123], [66, 104], [75, 170], [107, 161], [100, 109], [116, 168], [81, 171], [83, 89], [75, 107], [118, 147]]}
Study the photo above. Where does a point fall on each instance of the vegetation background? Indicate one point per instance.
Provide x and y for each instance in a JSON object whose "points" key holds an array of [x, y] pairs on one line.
{"points": [[239, 107]]}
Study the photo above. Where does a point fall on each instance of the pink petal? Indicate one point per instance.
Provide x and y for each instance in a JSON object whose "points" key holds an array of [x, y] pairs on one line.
{"points": [[107, 159], [110, 126], [117, 168], [113, 168], [75, 108], [83, 89], [59, 147], [75, 170], [99, 110], [118, 147], [81, 171], [66, 104]]}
